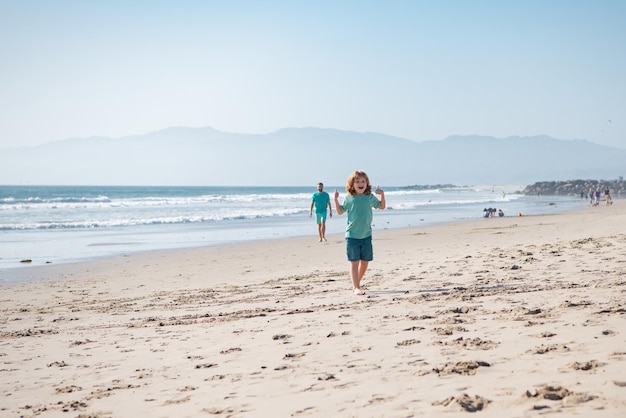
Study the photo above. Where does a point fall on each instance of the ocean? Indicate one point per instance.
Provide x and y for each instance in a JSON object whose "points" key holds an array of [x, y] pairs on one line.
{"points": [[61, 224]]}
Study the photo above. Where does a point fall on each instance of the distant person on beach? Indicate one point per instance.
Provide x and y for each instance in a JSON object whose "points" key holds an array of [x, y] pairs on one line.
{"points": [[321, 201], [500, 213], [607, 196], [358, 204], [489, 212]]}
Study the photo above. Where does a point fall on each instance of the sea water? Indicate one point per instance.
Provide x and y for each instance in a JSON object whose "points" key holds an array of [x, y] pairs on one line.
{"points": [[59, 224]]}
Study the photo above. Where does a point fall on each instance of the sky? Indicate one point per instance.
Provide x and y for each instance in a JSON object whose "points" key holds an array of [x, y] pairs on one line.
{"points": [[421, 70]]}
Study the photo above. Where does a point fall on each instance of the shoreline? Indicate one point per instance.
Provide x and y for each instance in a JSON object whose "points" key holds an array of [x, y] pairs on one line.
{"points": [[196, 238], [513, 316]]}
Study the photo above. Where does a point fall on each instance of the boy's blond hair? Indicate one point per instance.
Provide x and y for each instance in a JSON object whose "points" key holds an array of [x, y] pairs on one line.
{"points": [[350, 184]]}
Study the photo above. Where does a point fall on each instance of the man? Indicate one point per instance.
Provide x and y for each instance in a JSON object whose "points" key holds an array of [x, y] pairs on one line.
{"points": [[321, 201]]}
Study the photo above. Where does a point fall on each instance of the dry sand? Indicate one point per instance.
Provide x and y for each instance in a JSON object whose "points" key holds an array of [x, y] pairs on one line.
{"points": [[508, 317]]}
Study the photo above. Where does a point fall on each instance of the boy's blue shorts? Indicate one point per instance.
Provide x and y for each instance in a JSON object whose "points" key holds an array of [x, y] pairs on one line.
{"points": [[359, 249]]}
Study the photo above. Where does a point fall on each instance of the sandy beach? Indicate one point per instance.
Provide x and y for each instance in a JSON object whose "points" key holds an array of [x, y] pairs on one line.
{"points": [[504, 317]]}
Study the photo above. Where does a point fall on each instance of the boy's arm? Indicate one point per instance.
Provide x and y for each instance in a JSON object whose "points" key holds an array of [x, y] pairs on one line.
{"points": [[330, 208], [337, 205], [311, 210], [381, 193]]}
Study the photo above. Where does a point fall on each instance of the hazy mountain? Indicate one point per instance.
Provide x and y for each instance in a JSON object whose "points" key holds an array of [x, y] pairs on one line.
{"points": [[304, 156]]}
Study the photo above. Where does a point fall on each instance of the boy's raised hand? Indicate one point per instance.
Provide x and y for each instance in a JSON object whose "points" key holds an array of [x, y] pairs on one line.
{"points": [[378, 190], [336, 194]]}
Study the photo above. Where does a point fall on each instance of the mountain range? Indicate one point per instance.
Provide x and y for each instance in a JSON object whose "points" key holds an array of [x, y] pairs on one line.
{"points": [[305, 156]]}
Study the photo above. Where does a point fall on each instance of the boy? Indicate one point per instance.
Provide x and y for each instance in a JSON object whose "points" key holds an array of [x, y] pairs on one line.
{"points": [[358, 205]]}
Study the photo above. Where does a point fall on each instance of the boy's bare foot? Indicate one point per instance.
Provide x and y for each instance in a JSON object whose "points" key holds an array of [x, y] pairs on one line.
{"points": [[359, 292], [324, 238]]}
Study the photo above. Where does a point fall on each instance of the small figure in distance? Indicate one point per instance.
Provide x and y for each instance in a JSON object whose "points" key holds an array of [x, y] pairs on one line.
{"points": [[321, 201], [500, 213], [607, 197]]}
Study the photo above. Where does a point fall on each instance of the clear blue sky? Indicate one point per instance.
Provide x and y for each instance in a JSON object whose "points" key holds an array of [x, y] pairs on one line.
{"points": [[421, 70]]}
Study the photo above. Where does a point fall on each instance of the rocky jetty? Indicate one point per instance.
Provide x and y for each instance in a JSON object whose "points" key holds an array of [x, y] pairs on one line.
{"points": [[576, 187]]}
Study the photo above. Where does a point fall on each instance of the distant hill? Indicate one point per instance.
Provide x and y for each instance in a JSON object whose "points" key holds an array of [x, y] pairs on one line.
{"points": [[304, 156]]}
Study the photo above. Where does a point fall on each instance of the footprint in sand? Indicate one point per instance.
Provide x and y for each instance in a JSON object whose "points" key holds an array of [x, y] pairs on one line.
{"points": [[466, 368], [472, 343], [468, 403], [559, 393], [282, 337], [546, 334], [587, 365], [205, 365], [58, 364], [407, 343], [543, 349], [293, 356], [69, 389], [449, 330], [230, 350]]}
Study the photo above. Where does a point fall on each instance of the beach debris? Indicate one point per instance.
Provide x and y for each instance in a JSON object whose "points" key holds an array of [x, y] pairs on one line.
{"points": [[543, 349], [414, 328], [205, 365], [461, 367], [29, 333], [293, 356], [26, 260], [468, 403], [74, 406], [472, 404], [69, 389], [79, 342], [475, 343], [462, 310], [559, 393], [545, 334], [406, 343], [553, 393], [587, 365], [58, 364], [230, 350]]}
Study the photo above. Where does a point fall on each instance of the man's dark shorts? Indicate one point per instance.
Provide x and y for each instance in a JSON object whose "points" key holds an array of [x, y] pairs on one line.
{"points": [[359, 249]]}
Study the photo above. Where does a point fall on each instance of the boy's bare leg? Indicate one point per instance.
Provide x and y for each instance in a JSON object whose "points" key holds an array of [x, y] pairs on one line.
{"points": [[319, 231], [362, 269], [357, 270], [323, 231], [354, 274]]}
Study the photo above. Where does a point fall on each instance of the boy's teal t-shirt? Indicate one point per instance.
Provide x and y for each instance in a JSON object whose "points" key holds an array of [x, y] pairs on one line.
{"points": [[359, 210], [321, 201]]}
